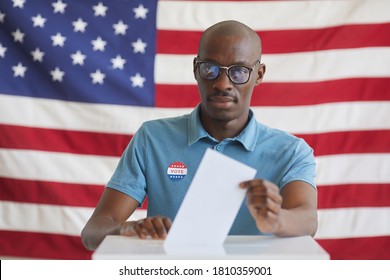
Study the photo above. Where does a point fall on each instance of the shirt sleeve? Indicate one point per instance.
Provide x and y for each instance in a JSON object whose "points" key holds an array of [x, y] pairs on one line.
{"points": [[129, 175], [302, 166]]}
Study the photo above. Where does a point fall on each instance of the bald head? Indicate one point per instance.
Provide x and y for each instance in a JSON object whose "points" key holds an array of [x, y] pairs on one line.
{"points": [[233, 30]]}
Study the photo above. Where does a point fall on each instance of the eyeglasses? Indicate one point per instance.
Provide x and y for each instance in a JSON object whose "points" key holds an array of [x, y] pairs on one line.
{"points": [[237, 74]]}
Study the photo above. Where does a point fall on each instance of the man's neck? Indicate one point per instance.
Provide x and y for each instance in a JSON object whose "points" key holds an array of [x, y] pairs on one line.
{"points": [[221, 129]]}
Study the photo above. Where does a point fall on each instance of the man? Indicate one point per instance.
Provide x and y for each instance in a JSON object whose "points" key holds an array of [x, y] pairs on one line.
{"points": [[283, 198]]}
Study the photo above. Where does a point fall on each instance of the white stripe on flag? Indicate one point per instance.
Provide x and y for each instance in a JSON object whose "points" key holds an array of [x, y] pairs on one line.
{"points": [[353, 168], [333, 223], [52, 219], [292, 67], [353, 222], [307, 14], [58, 167], [40, 112], [55, 219], [87, 169], [344, 116]]}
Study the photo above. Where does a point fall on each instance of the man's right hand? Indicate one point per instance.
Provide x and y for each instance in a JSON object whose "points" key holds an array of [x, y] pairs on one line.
{"points": [[156, 227]]}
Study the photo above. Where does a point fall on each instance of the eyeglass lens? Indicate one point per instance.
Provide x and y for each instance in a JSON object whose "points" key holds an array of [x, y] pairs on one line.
{"points": [[237, 74]]}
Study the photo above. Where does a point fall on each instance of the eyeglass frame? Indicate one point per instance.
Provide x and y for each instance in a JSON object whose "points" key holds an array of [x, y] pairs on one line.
{"points": [[227, 68]]}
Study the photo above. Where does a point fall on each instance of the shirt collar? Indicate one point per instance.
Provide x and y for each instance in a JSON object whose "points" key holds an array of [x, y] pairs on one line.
{"points": [[248, 137]]}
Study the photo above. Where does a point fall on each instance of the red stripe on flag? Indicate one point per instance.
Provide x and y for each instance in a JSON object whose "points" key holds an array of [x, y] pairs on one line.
{"points": [[370, 141], [349, 142], [67, 141], [274, 41], [353, 195], [63, 194], [362, 248], [313, 93], [54, 193], [42, 246], [288, 94]]}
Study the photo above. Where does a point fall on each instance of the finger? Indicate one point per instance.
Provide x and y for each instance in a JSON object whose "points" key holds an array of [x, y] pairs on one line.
{"points": [[263, 203], [167, 223], [150, 228], [266, 189], [138, 228], [257, 202], [159, 227], [251, 183], [272, 190], [127, 228], [260, 186], [142, 228]]}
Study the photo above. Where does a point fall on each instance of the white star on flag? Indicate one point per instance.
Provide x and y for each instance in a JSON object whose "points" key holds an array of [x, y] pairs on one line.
{"points": [[37, 55], [19, 70], [18, 3], [118, 62], [100, 10], [79, 25], [78, 58], [58, 40], [57, 74], [99, 44], [139, 46], [18, 36], [140, 12], [38, 21], [97, 77], [120, 28], [2, 17], [137, 80], [2, 50], [59, 7]]}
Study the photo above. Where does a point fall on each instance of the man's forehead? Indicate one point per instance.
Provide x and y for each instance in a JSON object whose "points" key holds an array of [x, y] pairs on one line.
{"points": [[237, 48]]}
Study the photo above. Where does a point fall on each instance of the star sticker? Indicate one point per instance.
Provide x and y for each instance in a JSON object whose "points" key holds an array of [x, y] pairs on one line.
{"points": [[59, 7], [100, 10], [140, 11], [139, 46], [118, 62], [37, 55], [18, 36], [19, 70], [78, 58], [2, 16], [18, 3], [58, 40], [57, 74], [137, 80], [120, 28], [79, 25], [97, 77], [98, 44], [2, 50], [38, 20]]}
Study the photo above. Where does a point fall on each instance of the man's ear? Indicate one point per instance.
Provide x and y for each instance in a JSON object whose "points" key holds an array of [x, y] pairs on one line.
{"points": [[260, 73], [194, 67]]}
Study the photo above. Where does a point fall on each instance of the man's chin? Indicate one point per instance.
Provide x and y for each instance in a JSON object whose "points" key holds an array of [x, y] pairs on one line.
{"points": [[226, 105]]}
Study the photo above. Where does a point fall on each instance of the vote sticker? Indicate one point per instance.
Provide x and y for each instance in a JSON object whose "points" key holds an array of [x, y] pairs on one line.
{"points": [[177, 171]]}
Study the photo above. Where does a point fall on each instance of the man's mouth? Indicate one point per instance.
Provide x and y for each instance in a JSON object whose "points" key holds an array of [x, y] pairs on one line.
{"points": [[222, 102]]}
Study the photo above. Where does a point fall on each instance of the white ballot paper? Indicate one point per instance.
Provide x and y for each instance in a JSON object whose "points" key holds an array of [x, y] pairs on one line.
{"points": [[211, 202]]}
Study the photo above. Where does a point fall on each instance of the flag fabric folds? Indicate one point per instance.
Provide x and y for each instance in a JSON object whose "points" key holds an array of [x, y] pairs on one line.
{"points": [[77, 78]]}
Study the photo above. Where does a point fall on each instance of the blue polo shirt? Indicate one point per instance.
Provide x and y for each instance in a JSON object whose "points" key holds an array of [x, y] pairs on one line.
{"points": [[163, 156]]}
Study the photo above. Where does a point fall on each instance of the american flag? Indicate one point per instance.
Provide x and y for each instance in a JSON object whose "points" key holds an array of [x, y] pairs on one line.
{"points": [[77, 78]]}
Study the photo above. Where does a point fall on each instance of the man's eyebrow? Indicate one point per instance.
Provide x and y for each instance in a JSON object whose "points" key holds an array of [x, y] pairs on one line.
{"points": [[238, 63]]}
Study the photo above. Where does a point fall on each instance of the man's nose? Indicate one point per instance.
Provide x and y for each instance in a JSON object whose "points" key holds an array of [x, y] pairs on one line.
{"points": [[222, 82]]}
